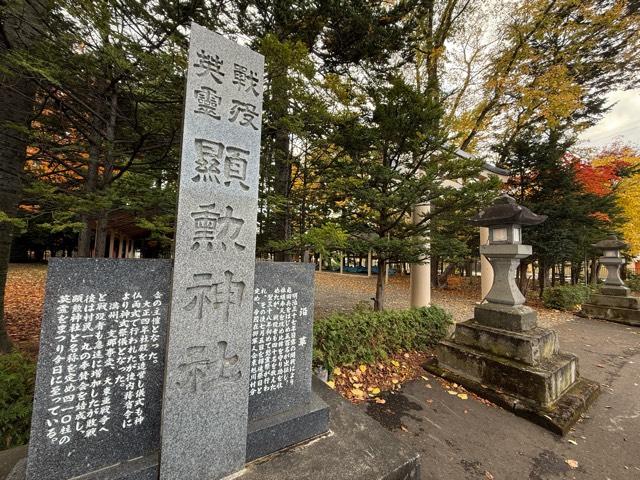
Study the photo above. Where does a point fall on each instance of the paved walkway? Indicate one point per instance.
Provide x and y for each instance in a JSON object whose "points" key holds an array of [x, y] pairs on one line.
{"points": [[465, 439]]}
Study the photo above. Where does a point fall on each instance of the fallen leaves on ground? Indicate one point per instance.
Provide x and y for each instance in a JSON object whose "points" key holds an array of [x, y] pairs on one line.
{"points": [[459, 391], [23, 301], [366, 382]]}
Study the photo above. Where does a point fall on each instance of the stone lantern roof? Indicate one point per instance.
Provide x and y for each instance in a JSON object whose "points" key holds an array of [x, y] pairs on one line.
{"points": [[611, 243], [505, 211]]}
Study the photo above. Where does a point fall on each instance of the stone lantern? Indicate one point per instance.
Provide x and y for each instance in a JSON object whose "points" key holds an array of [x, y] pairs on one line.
{"points": [[612, 259], [501, 353], [504, 251], [614, 300]]}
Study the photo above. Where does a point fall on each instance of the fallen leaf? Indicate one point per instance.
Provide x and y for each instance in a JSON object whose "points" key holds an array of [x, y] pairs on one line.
{"points": [[357, 393], [381, 401], [488, 475], [403, 428], [375, 391], [463, 396], [337, 371], [394, 380], [573, 442], [572, 463], [357, 385], [424, 378], [452, 392], [395, 363], [362, 368], [428, 386], [331, 384]]}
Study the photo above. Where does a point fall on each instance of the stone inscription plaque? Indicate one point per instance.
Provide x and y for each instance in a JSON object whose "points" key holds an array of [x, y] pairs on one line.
{"points": [[206, 389], [100, 367], [281, 340]]}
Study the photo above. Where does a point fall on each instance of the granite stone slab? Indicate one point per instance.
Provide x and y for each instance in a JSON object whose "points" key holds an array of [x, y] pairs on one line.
{"points": [[282, 338], [100, 369], [206, 389]]}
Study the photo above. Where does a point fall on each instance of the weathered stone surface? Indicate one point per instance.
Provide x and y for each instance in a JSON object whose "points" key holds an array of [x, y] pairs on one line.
{"points": [[543, 383], [558, 417], [615, 314], [97, 397], [206, 390], [517, 318], [615, 291], [529, 347], [615, 301], [505, 260], [612, 265], [287, 428]]}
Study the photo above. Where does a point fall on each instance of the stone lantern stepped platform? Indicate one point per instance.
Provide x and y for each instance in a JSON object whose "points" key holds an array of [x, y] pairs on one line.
{"points": [[543, 383], [613, 303], [627, 316], [557, 417], [529, 347]]}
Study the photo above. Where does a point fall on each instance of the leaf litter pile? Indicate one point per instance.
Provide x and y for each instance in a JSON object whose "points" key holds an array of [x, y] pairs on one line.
{"points": [[23, 302], [365, 382]]}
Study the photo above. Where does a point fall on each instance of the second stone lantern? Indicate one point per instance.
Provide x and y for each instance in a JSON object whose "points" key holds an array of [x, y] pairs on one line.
{"points": [[501, 353]]}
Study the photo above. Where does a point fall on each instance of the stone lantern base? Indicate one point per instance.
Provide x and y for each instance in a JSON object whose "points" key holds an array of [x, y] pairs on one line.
{"points": [[518, 369], [613, 303]]}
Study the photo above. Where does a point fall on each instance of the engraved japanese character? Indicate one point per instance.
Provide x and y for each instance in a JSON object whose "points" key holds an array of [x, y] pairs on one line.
{"points": [[208, 102], [211, 64], [208, 160], [206, 222], [235, 166], [230, 227], [227, 293], [247, 111], [211, 226], [204, 369], [199, 291]]}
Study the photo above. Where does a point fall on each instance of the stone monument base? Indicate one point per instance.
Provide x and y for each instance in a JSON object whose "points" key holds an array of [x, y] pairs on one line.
{"points": [[339, 454], [521, 371], [271, 434], [615, 308]]}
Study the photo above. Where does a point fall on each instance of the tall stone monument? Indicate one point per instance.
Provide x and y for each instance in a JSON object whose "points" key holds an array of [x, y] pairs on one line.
{"points": [[206, 389], [614, 301], [502, 353]]}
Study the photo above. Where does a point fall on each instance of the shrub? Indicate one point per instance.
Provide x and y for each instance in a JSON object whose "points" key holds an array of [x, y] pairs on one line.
{"points": [[365, 336], [633, 282], [17, 381], [566, 297]]}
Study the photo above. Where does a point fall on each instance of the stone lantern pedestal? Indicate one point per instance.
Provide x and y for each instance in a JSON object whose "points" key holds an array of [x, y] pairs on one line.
{"points": [[501, 353], [614, 301]]}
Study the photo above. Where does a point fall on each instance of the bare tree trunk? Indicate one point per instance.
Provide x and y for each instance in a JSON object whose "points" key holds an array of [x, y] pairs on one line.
{"points": [[378, 304]]}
